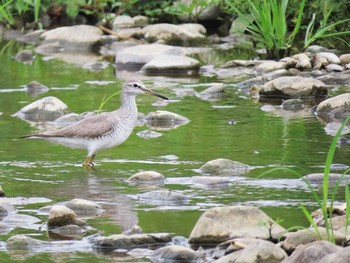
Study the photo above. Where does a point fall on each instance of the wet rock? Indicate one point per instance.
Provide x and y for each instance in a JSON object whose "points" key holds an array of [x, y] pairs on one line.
{"points": [[163, 197], [134, 230], [31, 37], [23, 242], [332, 128], [149, 134], [14, 220], [84, 207], [333, 178], [25, 56], [4, 229], [210, 182], [335, 108], [147, 177], [292, 104], [216, 90], [48, 48], [140, 20], [344, 59], [2, 192], [122, 21], [269, 66], [256, 251], [331, 58], [171, 65], [75, 38], [342, 255], [312, 252], [35, 88], [293, 87], [306, 236], [66, 232], [223, 166], [334, 67], [165, 117], [174, 34], [62, 216], [5, 208], [45, 109], [96, 65], [176, 253], [129, 241], [137, 56], [220, 223]]}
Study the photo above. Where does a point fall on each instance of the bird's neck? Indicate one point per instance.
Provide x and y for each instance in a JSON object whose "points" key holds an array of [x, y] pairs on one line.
{"points": [[128, 104]]}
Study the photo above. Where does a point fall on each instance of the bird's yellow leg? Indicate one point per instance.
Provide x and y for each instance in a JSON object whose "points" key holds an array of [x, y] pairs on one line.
{"points": [[88, 161]]}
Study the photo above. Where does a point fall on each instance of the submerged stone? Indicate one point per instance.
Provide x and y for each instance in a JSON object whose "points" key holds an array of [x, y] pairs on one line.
{"points": [[23, 242], [45, 109], [84, 207], [149, 177], [25, 56], [163, 196], [176, 253], [224, 166]]}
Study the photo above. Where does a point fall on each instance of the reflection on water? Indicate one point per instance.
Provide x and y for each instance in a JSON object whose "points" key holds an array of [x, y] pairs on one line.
{"points": [[35, 174]]}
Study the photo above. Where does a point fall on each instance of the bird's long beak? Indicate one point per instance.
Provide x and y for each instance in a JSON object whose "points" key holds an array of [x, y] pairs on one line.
{"points": [[150, 92]]}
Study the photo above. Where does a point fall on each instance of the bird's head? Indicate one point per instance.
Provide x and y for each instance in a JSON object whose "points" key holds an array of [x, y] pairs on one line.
{"points": [[136, 87]]}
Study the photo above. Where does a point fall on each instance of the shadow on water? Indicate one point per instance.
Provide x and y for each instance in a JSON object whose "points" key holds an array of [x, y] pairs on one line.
{"points": [[231, 127]]}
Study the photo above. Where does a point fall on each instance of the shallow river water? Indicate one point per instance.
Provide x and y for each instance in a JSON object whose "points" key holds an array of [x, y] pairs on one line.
{"points": [[35, 174]]}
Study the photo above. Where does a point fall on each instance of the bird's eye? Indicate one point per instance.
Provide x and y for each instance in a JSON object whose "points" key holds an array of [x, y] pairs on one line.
{"points": [[135, 85]]}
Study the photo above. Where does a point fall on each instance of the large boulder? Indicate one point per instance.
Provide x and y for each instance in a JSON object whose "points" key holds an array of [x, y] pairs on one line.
{"points": [[220, 223], [45, 109], [293, 87], [175, 34], [75, 38], [137, 56], [335, 108], [171, 65]]}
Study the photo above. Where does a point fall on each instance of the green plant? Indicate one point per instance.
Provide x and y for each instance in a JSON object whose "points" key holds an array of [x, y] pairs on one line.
{"points": [[325, 29], [105, 100], [267, 24], [190, 10], [326, 199]]}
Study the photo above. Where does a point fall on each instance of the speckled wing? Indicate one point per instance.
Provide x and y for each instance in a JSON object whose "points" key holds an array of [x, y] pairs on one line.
{"points": [[93, 127]]}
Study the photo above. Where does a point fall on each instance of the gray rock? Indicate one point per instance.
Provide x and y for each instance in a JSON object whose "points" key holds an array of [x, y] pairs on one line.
{"points": [[333, 178], [171, 65], [314, 49], [163, 197], [215, 90], [334, 67], [302, 61], [75, 38], [2, 192], [122, 21], [223, 166], [342, 255], [210, 181], [25, 56], [140, 20], [84, 207], [23, 242], [45, 109], [306, 236], [312, 252], [129, 241], [137, 56], [173, 33], [147, 177], [220, 223], [256, 251], [293, 87], [134, 230], [269, 66], [333, 127], [35, 88], [334, 108], [62, 216], [292, 104], [162, 116], [330, 57], [344, 59], [31, 37], [149, 134], [176, 253]]}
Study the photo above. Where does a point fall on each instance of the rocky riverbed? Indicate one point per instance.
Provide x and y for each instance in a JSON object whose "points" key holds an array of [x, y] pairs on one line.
{"points": [[295, 86]]}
